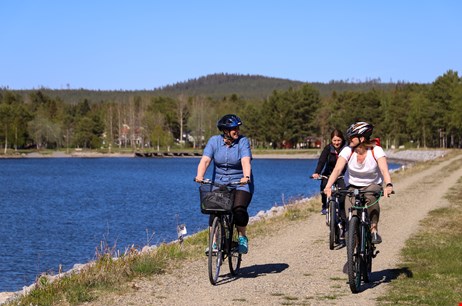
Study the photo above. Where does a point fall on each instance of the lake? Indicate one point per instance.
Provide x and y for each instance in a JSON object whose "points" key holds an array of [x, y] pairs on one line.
{"points": [[58, 210]]}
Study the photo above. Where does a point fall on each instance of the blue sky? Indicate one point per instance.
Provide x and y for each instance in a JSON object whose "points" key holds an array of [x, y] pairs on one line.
{"points": [[146, 44]]}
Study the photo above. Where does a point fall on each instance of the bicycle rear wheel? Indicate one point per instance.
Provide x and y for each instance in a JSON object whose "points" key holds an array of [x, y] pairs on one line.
{"points": [[234, 257], [353, 255], [215, 255], [333, 228]]}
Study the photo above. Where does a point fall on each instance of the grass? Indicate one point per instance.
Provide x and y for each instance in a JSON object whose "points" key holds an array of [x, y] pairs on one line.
{"points": [[434, 258], [108, 274]]}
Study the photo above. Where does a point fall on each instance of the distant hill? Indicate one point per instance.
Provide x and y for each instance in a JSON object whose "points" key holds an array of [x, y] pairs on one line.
{"points": [[221, 85], [257, 86], [215, 86]]}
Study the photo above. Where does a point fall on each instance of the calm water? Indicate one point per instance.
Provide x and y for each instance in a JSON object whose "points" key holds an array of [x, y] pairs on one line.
{"points": [[58, 211]]}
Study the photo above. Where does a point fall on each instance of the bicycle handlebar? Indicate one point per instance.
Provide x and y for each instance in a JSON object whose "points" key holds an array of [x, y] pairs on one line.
{"points": [[324, 177], [210, 182], [356, 193]]}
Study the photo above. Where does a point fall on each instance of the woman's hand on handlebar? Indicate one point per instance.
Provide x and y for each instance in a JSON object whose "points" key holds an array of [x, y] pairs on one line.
{"points": [[387, 191], [328, 192], [198, 179], [315, 176], [245, 180]]}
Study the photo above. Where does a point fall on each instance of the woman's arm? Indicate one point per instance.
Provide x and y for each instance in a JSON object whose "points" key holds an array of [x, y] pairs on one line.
{"points": [[321, 162], [383, 166], [202, 167], [246, 169], [339, 165]]}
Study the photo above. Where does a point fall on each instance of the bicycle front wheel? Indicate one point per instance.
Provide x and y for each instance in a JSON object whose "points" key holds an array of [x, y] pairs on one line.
{"points": [[354, 255], [215, 255], [332, 225], [234, 257]]}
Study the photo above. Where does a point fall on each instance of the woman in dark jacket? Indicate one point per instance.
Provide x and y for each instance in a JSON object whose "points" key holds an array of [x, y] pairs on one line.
{"points": [[326, 164]]}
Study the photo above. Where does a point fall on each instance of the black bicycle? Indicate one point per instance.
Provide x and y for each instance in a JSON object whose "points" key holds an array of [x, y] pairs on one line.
{"points": [[333, 216], [360, 249], [223, 243]]}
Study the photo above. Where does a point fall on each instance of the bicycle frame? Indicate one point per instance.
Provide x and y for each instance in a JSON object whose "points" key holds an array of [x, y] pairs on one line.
{"points": [[223, 232], [360, 250]]}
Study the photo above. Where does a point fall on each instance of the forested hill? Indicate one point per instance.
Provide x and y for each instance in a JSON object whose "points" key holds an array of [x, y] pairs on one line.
{"points": [[257, 86], [215, 86]]}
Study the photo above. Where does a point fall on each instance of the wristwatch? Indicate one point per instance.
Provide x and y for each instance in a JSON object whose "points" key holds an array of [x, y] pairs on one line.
{"points": [[389, 185]]}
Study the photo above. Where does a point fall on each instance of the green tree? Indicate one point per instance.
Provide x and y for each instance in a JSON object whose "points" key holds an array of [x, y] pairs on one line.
{"points": [[89, 132], [419, 118], [441, 95], [44, 132], [455, 119]]}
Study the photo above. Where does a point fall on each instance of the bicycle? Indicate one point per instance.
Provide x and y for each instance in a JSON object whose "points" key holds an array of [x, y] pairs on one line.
{"points": [[223, 236], [333, 218], [360, 249]]}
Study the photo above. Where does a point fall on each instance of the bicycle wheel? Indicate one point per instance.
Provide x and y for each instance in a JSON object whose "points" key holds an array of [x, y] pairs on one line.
{"points": [[234, 257], [353, 255], [333, 228], [215, 258]]}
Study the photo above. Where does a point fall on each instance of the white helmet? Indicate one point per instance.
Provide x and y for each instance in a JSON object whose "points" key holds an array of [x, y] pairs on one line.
{"points": [[361, 128]]}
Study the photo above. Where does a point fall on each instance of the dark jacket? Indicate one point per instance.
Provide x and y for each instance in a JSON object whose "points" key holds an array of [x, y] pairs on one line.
{"points": [[327, 160]]}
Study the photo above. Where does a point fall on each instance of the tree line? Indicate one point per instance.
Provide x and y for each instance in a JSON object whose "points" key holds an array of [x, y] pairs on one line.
{"points": [[419, 115]]}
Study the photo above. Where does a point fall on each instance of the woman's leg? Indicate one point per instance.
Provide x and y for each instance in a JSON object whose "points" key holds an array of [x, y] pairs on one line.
{"points": [[323, 196], [241, 216], [374, 213]]}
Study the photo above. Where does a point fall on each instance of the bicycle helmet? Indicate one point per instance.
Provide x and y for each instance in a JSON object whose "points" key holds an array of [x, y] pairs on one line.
{"points": [[359, 129], [228, 122]]}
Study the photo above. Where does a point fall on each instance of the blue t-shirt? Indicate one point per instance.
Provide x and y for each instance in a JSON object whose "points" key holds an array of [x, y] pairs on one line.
{"points": [[227, 165]]}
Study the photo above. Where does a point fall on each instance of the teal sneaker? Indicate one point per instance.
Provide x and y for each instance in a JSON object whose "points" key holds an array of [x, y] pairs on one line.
{"points": [[214, 249], [243, 245]]}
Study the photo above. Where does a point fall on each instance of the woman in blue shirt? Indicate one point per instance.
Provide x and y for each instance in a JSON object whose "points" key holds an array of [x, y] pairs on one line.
{"points": [[231, 156]]}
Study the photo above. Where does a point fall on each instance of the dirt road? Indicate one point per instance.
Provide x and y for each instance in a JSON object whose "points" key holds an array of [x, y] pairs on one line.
{"points": [[295, 267]]}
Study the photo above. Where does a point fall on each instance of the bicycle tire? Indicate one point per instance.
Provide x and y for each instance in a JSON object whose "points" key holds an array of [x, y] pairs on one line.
{"points": [[353, 255], [332, 225], [215, 259], [234, 257]]}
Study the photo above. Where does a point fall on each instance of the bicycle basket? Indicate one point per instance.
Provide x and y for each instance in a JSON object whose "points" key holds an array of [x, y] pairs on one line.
{"points": [[215, 201]]}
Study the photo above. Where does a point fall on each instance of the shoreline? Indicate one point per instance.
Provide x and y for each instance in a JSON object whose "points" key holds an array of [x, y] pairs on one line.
{"points": [[401, 156]]}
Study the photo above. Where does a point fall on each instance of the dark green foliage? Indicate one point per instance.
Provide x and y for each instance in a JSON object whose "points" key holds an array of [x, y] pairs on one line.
{"points": [[277, 113]]}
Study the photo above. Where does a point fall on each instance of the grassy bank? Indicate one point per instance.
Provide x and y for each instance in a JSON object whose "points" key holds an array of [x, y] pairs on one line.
{"points": [[432, 260]]}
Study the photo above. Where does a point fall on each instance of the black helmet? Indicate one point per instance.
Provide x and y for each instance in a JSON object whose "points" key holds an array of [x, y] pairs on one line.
{"points": [[359, 129], [228, 122]]}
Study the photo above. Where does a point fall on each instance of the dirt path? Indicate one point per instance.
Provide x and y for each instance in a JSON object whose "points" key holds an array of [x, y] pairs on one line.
{"points": [[294, 266]]}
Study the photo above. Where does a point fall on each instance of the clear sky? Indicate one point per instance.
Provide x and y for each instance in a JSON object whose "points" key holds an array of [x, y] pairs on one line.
{"points": [[146, 44]]}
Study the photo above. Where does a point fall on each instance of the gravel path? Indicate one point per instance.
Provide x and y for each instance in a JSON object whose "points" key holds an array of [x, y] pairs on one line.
{"points": [[294, 266]]}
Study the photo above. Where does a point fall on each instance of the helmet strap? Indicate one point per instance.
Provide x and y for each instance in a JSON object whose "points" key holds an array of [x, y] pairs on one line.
{"points": [[359, 143], [227, 135]]}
